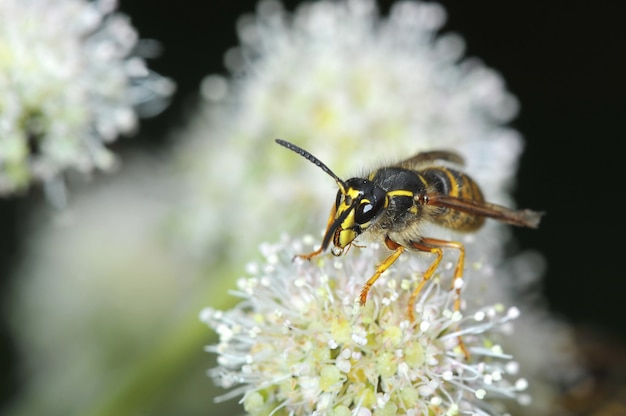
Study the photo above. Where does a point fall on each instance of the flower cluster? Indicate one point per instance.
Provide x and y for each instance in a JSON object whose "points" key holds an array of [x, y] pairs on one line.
{"points": [[299, 344], [71, 83]]}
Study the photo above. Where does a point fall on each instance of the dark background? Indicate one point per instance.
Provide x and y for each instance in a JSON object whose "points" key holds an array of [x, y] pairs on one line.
{"points": [[563, 60]]}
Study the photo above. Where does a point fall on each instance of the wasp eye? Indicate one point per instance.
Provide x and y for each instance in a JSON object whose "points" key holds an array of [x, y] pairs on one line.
{"points": [[365, 212], [369, 206]]}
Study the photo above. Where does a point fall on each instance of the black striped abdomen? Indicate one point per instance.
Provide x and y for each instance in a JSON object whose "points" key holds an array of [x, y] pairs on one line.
{"points": [[451, 182]]}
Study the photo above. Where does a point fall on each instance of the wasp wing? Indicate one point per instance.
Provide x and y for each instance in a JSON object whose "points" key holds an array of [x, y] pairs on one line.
{"points": [[428, 158], [520, 218]]}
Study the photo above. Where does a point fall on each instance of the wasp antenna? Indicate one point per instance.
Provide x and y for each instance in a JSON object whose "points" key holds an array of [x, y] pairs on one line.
{"points": [[313, 160]]}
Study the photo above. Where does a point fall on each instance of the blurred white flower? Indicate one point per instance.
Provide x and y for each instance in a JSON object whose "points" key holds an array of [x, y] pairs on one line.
{"points": [[71, 83], [94, 291], [101, 307], [299, 344]]}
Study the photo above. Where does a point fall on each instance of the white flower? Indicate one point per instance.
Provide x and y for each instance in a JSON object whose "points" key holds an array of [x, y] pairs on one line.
{"points": [[299, 344], [70, 85], [97, 298]]}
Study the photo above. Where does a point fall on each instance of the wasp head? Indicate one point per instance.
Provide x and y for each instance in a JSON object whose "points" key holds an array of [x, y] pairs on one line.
{"points": [[358, 202], [356, 207]]}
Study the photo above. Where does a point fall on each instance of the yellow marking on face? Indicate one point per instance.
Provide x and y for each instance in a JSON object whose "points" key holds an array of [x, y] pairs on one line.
{"points": [[348, 221], [348, 198], [344, 234], [345, 237], [353, 193]]}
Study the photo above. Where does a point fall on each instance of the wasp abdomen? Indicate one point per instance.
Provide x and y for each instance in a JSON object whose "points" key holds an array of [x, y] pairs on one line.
{"points": [[456, 184]]}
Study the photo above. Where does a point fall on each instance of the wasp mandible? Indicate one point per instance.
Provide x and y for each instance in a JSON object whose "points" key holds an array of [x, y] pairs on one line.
{"points": [[392, 202]]}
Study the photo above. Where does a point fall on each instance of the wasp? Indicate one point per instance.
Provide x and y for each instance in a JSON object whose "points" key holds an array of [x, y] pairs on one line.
{"points": [[393, 202]]}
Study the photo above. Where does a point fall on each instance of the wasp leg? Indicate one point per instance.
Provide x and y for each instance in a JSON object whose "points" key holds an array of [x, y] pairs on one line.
{"points": [[418, 245], [433, 245], [460, 264], [397, 250], [331, 219], [310, 255]]}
